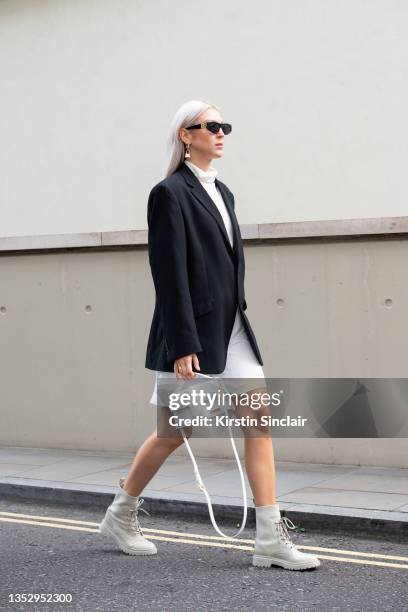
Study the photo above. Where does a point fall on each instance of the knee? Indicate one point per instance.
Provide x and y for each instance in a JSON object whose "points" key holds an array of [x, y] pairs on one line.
{"points": [[257, 431], [174, 440], [256, 428], [255, 423]]}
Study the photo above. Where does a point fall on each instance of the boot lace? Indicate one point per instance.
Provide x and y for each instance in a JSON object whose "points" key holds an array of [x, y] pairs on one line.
{"points": [[134, 524], [282, 527]]}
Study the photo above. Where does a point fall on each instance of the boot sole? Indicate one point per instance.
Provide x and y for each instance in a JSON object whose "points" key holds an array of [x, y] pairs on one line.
{"points": [[261, 561], [105, 530]]}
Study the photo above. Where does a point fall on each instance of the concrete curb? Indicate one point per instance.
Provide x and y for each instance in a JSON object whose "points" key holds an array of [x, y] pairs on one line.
{"points": [[382, 524]]}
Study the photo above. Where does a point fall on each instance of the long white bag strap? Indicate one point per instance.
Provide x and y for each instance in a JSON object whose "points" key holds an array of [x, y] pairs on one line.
{"points": [[201, 484]]}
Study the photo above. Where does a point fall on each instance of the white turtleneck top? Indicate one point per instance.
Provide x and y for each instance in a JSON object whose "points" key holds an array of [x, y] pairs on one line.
{"points": [[207, 180]]}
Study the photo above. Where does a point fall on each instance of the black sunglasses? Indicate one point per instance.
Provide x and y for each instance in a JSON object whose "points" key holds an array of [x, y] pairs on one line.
{"points": [[212, 126]]}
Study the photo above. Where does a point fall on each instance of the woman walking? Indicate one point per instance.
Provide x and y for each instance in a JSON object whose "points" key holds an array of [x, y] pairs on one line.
{"points": [[199, 325]]}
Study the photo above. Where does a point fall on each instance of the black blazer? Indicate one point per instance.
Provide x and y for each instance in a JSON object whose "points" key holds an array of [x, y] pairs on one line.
{"points": [[198, 276]]}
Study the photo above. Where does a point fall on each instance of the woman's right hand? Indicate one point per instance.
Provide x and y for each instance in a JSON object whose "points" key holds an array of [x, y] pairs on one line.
{"points": [[183, 367]]}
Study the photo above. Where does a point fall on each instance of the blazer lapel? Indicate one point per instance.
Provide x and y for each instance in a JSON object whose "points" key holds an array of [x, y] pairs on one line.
{"points": [[203, 197]]}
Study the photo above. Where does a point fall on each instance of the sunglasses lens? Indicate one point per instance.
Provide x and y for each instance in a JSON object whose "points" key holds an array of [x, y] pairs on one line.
{"points": [[213, 127]]}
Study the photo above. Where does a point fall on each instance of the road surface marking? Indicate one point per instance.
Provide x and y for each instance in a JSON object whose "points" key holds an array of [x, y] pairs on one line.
{"points": [[198, 539]]}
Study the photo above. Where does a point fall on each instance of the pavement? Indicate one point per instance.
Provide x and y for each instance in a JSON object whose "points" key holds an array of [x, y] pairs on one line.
{"points": [[313, 495]]}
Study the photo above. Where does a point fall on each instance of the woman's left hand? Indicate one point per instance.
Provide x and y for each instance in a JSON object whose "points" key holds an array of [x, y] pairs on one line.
{"points": [[183, 367]]}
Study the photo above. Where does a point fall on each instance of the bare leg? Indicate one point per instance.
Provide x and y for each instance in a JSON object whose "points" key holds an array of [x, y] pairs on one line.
{"points": [[151, 455], [259, 457], [260, 467]]}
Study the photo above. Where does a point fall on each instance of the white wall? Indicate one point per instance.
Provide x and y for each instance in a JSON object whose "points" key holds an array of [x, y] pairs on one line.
{"points": [[315, 91]]}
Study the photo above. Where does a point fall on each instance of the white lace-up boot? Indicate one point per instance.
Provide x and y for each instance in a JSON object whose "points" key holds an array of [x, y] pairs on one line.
{"points": [[272, 542], [122, 524]]}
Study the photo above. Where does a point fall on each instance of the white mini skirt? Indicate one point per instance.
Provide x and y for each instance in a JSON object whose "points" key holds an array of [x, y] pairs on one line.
{"points": [[242, 362]]}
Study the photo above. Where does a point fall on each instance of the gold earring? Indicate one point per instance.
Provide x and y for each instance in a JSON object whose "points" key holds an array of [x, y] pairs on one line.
{"points": [[187, 152]]}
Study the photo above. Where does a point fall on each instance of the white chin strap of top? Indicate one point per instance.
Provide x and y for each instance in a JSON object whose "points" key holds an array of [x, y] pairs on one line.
{"points": [[201, 484]]}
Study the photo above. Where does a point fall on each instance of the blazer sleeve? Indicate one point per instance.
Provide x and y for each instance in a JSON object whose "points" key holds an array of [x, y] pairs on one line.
{"points": [[168, 263]]}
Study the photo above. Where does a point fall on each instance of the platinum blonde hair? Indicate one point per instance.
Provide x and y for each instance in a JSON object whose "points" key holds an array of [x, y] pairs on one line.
{"points": [[185, 116]]}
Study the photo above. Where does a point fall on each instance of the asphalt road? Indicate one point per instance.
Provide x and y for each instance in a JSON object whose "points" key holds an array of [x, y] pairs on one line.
{"points": [[42, 555]]}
